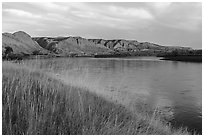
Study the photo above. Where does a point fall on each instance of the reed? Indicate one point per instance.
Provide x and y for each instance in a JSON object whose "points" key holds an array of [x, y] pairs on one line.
{"points": [[36, 104]]}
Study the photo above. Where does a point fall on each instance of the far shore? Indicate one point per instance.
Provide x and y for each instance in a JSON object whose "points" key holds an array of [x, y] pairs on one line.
{"points": [[184, 58]]}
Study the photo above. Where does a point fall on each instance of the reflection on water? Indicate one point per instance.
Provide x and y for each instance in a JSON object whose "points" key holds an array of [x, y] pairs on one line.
{"points": [[174, 86]]}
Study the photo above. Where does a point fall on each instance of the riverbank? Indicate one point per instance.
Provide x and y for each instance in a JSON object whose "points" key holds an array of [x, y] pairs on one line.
{"points": [[185, 58], [34, 103]]}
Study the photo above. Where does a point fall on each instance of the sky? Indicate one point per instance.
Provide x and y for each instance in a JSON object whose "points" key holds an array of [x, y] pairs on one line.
{"points": [[168, 24]]}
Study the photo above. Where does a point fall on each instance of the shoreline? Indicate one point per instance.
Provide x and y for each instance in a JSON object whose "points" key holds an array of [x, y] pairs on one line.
{"points": [[182, 58]]}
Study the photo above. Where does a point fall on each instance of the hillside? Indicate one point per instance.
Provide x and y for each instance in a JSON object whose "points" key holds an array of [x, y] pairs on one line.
{"points": [[137, 48], [22, 44], [71, 45], [81, 46]]}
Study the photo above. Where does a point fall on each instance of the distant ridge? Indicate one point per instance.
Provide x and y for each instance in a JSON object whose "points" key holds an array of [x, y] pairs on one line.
{"points": [[71, 45], [22, 43]]}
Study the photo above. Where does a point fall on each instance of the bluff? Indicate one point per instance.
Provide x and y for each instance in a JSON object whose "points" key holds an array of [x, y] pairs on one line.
{"points": [[81, 46], [72, 46], [21, 43], [134, 47]]}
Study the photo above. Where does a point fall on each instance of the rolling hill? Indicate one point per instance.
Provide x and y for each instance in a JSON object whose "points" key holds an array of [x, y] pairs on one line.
{"points": [[20, 43]]}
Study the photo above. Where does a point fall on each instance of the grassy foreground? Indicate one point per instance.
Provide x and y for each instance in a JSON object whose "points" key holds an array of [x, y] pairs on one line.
{"points": [[34, 103]]}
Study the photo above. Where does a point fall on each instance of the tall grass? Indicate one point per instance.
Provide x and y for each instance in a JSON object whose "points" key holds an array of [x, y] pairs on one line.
{"points": [[34, 103]]}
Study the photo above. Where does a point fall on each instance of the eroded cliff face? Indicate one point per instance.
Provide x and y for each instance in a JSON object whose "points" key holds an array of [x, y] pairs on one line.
{"points": [[72, 45], [80, 46], [123, 45], [22, 43]]}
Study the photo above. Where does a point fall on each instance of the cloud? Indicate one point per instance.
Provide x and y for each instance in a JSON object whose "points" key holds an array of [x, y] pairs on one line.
{"points": [[159, 7], [109, 16], [51, 6], [21, 13], [130, 12], [158, 22], [85, 14], [185, 16]]}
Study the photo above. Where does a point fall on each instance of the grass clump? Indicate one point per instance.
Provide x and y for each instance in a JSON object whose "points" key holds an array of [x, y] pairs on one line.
{"points": [[33, 103]]}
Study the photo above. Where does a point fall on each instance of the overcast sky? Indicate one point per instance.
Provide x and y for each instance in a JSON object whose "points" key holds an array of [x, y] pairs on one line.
{"points": [[176, 24]]}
